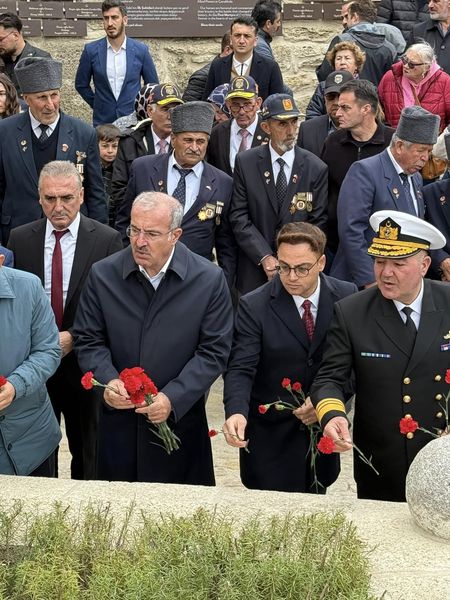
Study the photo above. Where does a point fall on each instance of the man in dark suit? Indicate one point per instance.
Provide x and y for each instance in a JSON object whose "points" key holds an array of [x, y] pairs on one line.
{"points": [[435, 31], [437, 212], [245, 61], [159, 306], [150, 136], [13, 47], [33, 138], [203, 190], [394, 338], [389, 180], [272, 340], [243, 131], [82, 243], [268, 193], [116, 64]]}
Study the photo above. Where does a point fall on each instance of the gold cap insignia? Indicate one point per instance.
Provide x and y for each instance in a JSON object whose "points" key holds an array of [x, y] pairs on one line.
{"points": [[287, 104]]}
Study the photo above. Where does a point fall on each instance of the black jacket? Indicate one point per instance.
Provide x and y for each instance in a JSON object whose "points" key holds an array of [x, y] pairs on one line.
{"points": [[196, 84], [430, 32], [313, 133], [28, 50], [403, 14], [339, 152], [380, 53]]}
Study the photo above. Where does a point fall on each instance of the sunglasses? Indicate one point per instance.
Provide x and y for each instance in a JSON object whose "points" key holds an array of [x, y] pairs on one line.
{"points": [[410, 64]]}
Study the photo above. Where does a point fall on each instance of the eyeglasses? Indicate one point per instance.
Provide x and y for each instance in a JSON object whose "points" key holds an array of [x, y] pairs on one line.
{"points": [[410, 64], [150, 236], [299, 270], [247, 106], [7, 35]]}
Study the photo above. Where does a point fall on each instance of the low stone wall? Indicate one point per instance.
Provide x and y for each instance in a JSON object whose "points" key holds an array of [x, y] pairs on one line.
{"points": [[299, 50]]}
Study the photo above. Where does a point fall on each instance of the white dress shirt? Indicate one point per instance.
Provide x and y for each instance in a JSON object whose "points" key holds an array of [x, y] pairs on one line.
{"points": [[192, 181], [399, 170], [116, 66], [236, 138], [37, 130], [68, 244], [288, 158], [416, 307], [242, 68], [314, 299], [155, 280]]}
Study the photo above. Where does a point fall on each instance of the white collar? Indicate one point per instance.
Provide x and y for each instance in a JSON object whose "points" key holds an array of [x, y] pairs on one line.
{"points": [[73, 227], [416, 305]]}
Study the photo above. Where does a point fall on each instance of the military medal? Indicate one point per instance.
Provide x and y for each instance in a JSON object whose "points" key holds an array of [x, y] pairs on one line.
{"points": [[64, 147], [79, 165], [442, 200], [207, 212], [395, 192], [219, 208]]}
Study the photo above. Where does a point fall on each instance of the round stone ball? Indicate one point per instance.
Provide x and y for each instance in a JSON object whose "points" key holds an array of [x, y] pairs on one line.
{"points": [[428, 487]]}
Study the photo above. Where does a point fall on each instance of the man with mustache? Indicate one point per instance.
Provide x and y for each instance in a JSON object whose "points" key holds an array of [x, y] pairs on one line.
{"points": [[203, 190], [115, 64], [274, 184], [388, 181]]}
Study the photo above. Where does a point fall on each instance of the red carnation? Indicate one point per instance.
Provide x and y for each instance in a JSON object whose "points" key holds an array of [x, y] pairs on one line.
{"points": [[408, 425], [326, 445], [263, 408], [148, 386], [3, 380], [286, 382], [297, 386], [447, 376], [213, 432], [86, 380]]}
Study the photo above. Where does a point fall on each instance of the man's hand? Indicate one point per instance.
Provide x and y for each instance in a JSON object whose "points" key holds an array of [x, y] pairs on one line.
{"points": [[235, 425], [306, 413], [445, 269], [66, 342], [337, 430], [7, 394], [119, 398], [269, 265], [158, 411]]}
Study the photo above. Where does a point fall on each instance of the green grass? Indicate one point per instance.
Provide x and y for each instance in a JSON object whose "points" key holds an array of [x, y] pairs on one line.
{"points": [[206, 556]]}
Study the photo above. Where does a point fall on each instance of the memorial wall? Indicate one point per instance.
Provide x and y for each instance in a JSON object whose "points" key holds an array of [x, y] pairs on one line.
{"points": [[182, 35]]}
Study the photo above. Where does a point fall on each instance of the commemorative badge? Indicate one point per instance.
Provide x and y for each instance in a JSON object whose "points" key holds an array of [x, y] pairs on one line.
{"points": [[64, 147], [294, 178], [207, 212], [23, 143], [395, 192], [80, 162], [442, 200], [300, 202]]}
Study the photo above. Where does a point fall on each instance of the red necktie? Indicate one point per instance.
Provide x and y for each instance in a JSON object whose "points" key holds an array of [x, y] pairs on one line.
{"points": [[57, 279], [308, 319]]}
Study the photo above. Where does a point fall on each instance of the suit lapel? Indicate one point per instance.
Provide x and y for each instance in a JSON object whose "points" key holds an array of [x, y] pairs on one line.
{"points": [[224, 142], [102, 49], [419, 196], [297, 168], [130, 52], [85, 243], [324, 313], [25, 145], [392, 325], [65, 139], [260, 136], [206, 191], [36, 250], [158, 174], [284, 306], [266, 175]]}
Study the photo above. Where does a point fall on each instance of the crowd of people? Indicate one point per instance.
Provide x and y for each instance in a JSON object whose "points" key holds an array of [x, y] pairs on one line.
{"points": [[210, 233]]}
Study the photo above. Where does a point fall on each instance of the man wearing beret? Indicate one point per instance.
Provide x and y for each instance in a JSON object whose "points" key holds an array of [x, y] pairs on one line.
{"points": [[203, 190], [395, 339], [389, 180], [37, 136], [274, 184]]}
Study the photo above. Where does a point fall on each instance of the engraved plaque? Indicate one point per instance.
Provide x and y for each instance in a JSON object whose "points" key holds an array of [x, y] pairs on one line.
{"points": [[65, 28], [41, 10], [83, 10], [306, 11]]}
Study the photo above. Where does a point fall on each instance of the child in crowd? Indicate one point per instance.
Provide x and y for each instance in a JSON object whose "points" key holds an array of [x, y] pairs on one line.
{"points": [[108, 142]]}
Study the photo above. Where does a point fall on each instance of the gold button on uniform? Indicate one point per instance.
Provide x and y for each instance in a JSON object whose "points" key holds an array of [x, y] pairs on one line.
{"points": [[407, 380], [438, 397], [408, 417], [437, 377], [410, 435], [406, 399], [439, 415]]}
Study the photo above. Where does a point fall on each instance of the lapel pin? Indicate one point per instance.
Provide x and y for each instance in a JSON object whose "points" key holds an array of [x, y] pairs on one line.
{"points": [[259, 138], [64, 147], [208, 187], [160, 183], [267, 180], [294, 178], [442, 200], [23, 143], [395, 192], [266, 174], [447, 336]]}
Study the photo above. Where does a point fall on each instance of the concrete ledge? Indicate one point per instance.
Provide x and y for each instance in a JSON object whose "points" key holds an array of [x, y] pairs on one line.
{"points": [[407, 563]]}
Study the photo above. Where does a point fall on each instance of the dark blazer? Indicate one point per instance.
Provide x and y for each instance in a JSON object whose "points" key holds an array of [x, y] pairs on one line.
{"points": [[149, 173], [430, 32], [313, 133], [270, 343], [101, 99], [19, 197], [180, 334], [391, 382], [264, 71], [371, 184], [219, 145], [437, 212], [255, 215]]}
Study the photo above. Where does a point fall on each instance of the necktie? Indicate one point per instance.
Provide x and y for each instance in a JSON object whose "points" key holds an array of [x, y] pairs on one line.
{"points": [[162, 147], [242, 69], [410, 326], [281, 183], [409, 198], [179, 192], [43, 137], [244, 135], [57, 279], [308, 319]]}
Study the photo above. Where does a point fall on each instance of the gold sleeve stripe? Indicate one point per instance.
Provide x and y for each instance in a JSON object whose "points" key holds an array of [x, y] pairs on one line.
{"points": [[328, 404]]}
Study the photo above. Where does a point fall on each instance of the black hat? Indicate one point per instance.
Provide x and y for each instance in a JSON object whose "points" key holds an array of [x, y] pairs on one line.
{"points": [[336, 80], [280, 107], [192, 116], [38, 74]]}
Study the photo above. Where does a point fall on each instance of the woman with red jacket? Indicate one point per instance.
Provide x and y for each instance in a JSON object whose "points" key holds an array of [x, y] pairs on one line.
{"points": [[416, 79]]}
